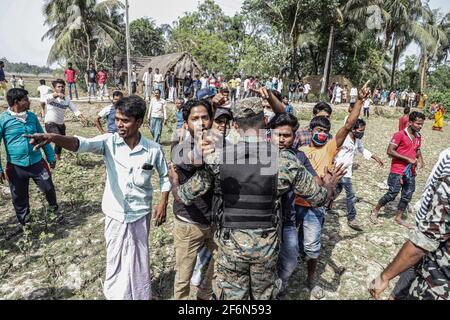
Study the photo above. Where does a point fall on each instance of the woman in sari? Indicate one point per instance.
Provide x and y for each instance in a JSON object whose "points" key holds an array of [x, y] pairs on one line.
{"points": [[439, 118]]}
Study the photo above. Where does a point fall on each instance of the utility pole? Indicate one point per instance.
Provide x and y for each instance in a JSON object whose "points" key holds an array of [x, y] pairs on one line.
{"points": [[127, 35]]}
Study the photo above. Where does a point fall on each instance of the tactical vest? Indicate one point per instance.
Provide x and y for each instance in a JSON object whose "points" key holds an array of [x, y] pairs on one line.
{"points": [[112, 120], [248, 198]]}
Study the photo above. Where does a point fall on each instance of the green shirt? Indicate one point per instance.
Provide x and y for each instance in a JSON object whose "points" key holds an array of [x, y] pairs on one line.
{"points": [[18, 149]]}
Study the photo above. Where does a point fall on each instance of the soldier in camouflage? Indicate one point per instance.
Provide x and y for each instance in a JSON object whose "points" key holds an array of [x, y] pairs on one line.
{"points": [[428, 247], [247, 255]]}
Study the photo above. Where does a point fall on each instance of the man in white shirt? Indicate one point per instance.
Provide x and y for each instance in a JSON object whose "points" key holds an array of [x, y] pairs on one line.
{"points": [[157, 115], [127, 199], [338, 95], [353, 95], [346, 156], [158, 82], [246, 87], [148, 84], [133, 81], [56, 105], [43, 91], [204, 81], [306, 89]]}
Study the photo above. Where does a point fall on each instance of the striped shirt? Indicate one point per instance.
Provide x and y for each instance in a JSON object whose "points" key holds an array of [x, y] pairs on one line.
{"points": [[440, 170]]}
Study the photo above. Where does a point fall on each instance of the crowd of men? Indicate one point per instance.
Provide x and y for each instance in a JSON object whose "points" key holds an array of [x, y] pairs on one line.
{"points": [[251, 188]]}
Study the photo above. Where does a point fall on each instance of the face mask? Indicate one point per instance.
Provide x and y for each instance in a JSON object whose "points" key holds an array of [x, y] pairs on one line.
{"points": [[320, 138], [358, 135]]}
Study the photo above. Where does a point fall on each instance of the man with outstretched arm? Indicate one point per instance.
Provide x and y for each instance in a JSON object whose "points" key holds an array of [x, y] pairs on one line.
{"points": [[127, 199]]}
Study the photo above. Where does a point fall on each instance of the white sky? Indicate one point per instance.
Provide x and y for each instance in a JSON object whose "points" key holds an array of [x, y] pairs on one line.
{"points": [[22, 23]]}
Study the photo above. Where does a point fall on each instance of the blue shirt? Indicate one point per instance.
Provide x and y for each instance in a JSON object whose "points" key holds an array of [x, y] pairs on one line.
{"points": [[180, 120], [18, 149], [289, 109], [128, 191], [2, 75]]}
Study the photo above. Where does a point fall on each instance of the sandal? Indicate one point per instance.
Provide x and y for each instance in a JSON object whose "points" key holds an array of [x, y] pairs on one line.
{"points": [[373, 218]]}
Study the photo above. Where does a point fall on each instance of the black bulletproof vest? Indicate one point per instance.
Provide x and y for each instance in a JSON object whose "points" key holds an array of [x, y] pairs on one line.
{"points": [[249, 198]]}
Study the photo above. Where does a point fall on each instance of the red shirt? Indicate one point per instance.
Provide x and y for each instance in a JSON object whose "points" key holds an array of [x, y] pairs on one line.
{"points": [[403, 123], [70, 75], [102, 76], [406, 146]]}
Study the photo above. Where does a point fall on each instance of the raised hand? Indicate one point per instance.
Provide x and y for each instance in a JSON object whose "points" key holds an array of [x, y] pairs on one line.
{"points": [[364, 92]]}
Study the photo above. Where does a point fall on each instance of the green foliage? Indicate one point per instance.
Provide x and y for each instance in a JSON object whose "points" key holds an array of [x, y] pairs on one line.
{"points": [[22, 67], [441, 97], [146, 38], [409, 76], [439, 79]]}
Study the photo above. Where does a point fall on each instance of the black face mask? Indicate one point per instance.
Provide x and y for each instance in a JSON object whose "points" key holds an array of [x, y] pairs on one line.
{"points": [[358, 135]]}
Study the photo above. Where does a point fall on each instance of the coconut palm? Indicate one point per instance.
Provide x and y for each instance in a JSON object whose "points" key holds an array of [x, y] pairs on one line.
{"points": [[80, 28], [437, 31]]}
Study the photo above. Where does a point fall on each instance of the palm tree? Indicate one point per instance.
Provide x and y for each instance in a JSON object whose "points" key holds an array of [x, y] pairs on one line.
{"points": [[350, 14], [437, 31], [402, 26], [81, 28]]}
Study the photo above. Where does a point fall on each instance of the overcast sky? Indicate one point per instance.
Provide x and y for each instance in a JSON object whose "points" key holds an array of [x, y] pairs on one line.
{"points": [[22, 23]]}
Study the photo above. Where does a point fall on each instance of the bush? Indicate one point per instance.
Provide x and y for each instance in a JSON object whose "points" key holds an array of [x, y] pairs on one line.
{"points": [[440, 97]]}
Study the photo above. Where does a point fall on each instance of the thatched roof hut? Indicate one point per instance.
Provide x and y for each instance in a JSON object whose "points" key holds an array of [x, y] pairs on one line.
{"points": [[180, 63]]}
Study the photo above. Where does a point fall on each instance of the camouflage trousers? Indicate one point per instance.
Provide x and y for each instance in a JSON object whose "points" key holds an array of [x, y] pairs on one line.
{"points": [[246, 265]]}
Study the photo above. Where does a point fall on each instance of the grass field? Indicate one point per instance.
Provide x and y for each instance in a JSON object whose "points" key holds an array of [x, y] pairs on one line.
{"points": [[67, 261]]}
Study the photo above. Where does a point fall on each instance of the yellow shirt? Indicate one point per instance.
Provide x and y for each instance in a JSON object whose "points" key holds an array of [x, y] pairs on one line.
{"points": [[319, 158], [232, 84]]}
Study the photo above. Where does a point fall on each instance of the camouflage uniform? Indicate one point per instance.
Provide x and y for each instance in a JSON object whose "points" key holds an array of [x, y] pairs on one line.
{"points": [[246, 258], [433, 234]]}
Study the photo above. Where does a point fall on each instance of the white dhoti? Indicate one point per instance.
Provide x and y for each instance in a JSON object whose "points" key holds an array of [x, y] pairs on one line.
{"points": [[127, 260]]}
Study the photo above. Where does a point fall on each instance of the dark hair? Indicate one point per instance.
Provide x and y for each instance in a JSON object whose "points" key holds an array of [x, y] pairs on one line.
{"points": [[320, 121], [284, 119], [117, 93], [1, 63], [187, 107], [407, 110], [70, 64], [285, 96], [413, 116], [42, 81], [322, 106], [132, 106], [159, 91], [359, 123], [60, 81], [14, 95], [253, 122]]}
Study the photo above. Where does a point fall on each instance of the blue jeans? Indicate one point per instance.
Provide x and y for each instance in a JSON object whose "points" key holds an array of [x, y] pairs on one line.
{"points": [[289, 252], [396, 184], [156, 128], [346, 183], [92, 89], [74, 86], [160, 86], [310, 228]]}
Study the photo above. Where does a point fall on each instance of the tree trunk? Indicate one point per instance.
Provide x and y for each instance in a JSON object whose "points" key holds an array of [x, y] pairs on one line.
{"points": [[394, 63], [423, 65], [327, 67]]}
